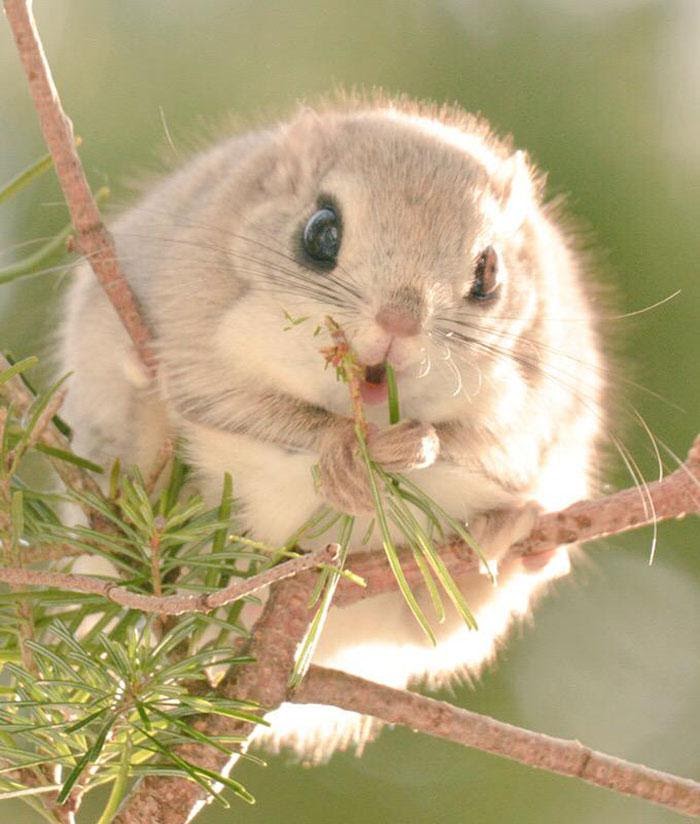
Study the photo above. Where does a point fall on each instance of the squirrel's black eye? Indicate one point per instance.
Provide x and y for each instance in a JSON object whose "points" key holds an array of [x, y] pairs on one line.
{"points": [[485, 283], [321, 236]]}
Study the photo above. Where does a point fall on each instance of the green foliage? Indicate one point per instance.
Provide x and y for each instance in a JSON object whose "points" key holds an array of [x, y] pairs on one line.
{"points": [[25, 177], [393, 391], [55, 245], [325, 589], [82, 703], [29, 264], [93, 692]]}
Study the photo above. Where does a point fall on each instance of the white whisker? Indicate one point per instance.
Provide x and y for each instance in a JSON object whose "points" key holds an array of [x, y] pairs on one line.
{"points": [[452, 366], [424, 372]]}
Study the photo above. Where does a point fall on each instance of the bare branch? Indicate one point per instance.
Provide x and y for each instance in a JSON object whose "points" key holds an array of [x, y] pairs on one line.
{"points": [[93, 239], [169, 604], [442, 720], [674, 497]]}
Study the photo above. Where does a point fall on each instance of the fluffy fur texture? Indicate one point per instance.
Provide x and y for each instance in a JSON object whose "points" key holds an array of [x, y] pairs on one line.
{"points": [[509, 389]]}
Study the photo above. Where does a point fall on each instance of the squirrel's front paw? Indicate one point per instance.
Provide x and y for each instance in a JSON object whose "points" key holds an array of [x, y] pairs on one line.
{"points": [[404, 446], [498, 530], [343, 474], [344, 482]]}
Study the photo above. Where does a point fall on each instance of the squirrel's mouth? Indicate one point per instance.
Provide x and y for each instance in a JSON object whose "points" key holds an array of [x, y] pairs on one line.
{"points": [[375, 374], [374, 388]]}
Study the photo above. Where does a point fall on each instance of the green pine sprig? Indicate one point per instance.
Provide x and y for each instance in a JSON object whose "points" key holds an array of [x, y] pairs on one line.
{"points": [[399, 504]]}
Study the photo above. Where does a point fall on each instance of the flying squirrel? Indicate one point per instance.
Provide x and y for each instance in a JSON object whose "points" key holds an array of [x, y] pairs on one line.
{"points": [[429, 242]]}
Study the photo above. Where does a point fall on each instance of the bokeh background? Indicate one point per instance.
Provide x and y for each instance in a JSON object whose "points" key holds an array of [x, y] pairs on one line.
{"points": [[606, 96]]}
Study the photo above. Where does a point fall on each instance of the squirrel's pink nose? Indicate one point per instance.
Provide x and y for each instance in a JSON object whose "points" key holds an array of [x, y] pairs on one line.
{"points": [[397, 322]]}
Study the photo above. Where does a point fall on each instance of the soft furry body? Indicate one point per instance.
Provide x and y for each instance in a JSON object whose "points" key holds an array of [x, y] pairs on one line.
{"points": [[510, 388]]}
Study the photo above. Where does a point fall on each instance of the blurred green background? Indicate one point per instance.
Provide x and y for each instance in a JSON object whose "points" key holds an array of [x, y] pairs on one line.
{"points": [[606, 96]]}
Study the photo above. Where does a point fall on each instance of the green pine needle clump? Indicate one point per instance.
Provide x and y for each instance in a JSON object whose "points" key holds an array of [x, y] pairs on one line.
{"points": [[54, 246], [420, 521], [110, 706], [91, 692]]}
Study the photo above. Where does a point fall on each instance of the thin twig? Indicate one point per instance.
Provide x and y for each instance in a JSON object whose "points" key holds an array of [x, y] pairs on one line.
{"points": [[93, 239], [342, 357], [675, 496], [442, 720], [169, 604]]}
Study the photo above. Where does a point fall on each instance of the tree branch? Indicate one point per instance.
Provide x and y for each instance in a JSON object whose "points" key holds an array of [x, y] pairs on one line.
{"points": [[93, 239], [273, 645], [442, 720], [673, 497], [287, 612], [169, 604]]}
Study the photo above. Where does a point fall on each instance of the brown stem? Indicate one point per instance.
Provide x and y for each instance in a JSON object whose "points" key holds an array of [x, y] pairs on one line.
{"points": [[675, 496], [93, 239], [342, 357], [169, 604], [442, 720]]}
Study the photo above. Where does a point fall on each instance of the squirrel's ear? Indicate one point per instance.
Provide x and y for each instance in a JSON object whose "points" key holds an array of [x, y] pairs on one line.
{"points": [[301, 153], [515, 190]]}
